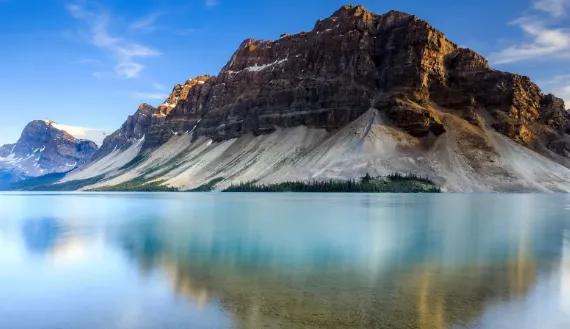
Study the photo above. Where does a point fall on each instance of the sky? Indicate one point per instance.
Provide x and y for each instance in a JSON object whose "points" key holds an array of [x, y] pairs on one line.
{"points": [[88, 64]]}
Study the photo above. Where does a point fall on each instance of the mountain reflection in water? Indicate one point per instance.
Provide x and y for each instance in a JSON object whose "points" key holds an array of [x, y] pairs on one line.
{"points": [[318, 261]]}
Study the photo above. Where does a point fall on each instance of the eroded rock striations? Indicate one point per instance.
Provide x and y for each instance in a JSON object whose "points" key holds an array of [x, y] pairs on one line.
{"points": [[396, 65], [350, 62], [43, 149]]}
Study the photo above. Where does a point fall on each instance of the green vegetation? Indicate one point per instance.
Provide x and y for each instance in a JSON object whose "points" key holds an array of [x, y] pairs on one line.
{"points": [[208, 187], [390, 184], [367, 184], [137, 185]]}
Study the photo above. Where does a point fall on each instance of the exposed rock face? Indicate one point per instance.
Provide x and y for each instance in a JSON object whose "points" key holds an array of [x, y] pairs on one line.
{"points": [[350, 62], [5, 150], [148, 121], [361, 93], [132, 130], [42, 149]]}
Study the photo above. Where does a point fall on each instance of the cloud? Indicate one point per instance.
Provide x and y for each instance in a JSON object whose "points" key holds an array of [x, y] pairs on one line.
{"points": [[543, 38], [126, 54], [544, 41], [146, 23], [92, 134], [555, 8], [129, 69]]}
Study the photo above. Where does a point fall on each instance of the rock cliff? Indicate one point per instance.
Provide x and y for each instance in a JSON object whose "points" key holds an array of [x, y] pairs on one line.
{"points": [[350, 62], [393, 75]]}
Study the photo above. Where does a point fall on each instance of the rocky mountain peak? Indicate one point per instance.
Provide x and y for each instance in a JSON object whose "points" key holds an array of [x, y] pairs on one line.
{"points": [[180, 93], [351, 12], [360, 93], [351, 62], [43, 149], [39, 133], [146, 109], [349, 9]]}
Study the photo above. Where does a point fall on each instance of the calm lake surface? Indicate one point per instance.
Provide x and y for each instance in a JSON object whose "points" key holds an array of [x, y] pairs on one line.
{"points": [[218, 260]]}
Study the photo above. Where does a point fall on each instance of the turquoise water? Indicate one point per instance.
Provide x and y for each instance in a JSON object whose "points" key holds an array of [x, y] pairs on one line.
{"points": [[218, 260]]}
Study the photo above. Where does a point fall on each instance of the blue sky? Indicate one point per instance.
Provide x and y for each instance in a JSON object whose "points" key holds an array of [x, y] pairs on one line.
{"points": [[90, 63]]}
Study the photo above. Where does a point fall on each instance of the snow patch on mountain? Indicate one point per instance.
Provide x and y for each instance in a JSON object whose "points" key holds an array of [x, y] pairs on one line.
{"points": [[27, 165]]}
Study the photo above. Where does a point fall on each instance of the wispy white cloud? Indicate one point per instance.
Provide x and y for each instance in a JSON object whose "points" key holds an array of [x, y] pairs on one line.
{"points": [[127, 54], [93, 134], [555, 8], [146, 23], [128, 69], [544, 38], [544, 41]]}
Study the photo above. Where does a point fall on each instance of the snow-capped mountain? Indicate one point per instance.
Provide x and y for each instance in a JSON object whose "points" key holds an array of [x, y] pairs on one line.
{"points": [[43, 149], [360, 93]]}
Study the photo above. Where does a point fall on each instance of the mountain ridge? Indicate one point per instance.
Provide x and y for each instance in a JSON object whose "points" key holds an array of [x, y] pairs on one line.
{"points": [[43, 149], [252, 57], [442, 110]]}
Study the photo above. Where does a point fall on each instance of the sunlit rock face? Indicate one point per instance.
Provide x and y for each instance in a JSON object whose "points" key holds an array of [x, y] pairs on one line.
{"points": [[43, 149], [360, 93], [133, 129], [350, 62]]}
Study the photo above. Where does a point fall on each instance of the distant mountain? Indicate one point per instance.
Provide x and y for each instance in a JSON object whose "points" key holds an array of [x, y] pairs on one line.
{"points": [[41, 150], [360, 93]]}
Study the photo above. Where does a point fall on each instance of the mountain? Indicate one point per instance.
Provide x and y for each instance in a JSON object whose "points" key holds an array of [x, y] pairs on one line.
{"points": [[41, 150], [360, 93]]}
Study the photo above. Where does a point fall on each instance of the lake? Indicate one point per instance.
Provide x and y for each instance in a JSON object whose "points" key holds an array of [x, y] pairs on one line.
{"points": [[216, 260]]}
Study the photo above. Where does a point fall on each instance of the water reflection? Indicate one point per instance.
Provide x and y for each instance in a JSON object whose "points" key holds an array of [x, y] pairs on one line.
{"points": [[544, 305], [290, 261], [378, 267], [41, 235], [565, 274], [424, 298]]}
